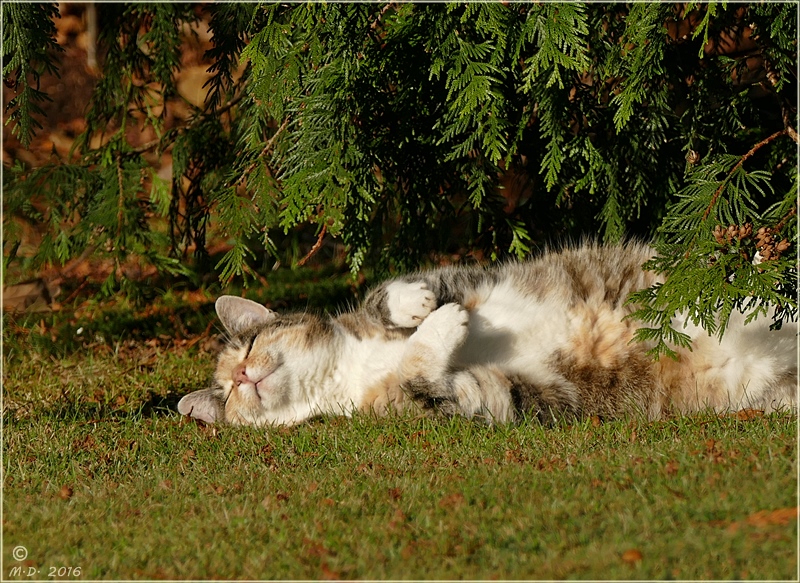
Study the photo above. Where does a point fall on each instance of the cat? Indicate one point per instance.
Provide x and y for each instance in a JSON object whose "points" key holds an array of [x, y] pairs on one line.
{"points": [[545, 338]]}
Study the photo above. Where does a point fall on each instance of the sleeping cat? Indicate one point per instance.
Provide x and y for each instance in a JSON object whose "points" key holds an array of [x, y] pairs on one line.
{"points": [[545, 338]]}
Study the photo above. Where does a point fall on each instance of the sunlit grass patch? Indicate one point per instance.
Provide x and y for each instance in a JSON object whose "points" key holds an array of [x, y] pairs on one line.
{"points": [[101, 472]]}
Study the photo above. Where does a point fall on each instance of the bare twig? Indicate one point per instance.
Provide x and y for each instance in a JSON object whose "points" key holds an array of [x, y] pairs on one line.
{"points": [[315, 248], [793, 134], [152, 144], [782, 223], [75, 293], [121, 198], [787, 123], [91, 34], [379, 21]]}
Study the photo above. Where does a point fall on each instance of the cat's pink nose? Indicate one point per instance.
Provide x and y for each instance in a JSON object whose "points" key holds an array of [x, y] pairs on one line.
{"points": [[240, 375]]}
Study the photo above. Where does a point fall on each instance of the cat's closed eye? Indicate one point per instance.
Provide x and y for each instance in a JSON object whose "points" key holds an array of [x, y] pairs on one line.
{"points": [[260, 361], [250, 344]]}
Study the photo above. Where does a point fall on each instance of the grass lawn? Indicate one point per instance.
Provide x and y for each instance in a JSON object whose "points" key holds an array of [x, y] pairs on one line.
{"points": [[103, 479]]}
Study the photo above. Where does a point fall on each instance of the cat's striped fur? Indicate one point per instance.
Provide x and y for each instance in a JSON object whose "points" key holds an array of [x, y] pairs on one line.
{"points": [[545, 338]]}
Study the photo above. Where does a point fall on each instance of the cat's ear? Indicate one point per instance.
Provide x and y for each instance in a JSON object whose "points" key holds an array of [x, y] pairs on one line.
{"points": [[239, 314], [205, 405]]}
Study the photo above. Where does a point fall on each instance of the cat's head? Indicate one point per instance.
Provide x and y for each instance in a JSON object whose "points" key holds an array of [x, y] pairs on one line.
{"points": [[263, 371]]}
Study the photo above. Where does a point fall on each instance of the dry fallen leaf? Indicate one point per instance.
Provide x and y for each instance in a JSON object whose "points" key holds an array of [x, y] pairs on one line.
{"points": [[632, 556], [452, 500], [65, 493], [398, 520], [748, 414], [407, 551], [328, 573], [765, 518], [315, 549]]}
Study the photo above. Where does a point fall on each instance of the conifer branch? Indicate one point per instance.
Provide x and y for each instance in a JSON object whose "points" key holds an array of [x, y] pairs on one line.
{"points": [[194, 122], [264, 152], [738, 165], [445, 110]]}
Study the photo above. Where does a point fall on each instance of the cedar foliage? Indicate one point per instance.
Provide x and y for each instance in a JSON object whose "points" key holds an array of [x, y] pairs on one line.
{"points": [[393, 128]]}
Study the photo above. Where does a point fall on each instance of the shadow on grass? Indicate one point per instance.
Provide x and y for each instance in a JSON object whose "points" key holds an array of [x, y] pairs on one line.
{"points": [[160, 405], [94, 323], [86, 412], [58, 335]]}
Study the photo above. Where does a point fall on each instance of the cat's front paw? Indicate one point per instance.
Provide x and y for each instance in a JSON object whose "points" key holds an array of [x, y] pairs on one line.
{"points": [[445, 328], [430, 350], [409, 303]]}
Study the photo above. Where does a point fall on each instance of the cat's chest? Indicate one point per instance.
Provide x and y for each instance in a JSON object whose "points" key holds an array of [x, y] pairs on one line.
{"points": [[363, 361]]}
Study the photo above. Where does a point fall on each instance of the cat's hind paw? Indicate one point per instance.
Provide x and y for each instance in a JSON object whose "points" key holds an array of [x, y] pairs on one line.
{"points": [[409, 303]]}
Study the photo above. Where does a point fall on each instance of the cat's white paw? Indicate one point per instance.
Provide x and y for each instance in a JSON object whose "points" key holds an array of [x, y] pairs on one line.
{"points": [[445, 328], [409, 303], [431, 348]]}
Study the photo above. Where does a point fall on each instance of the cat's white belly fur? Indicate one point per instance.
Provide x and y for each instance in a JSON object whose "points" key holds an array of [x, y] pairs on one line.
{"points": [[520, 334], [740, 370], [514, 332]]}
